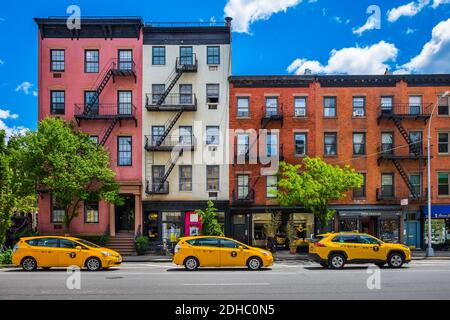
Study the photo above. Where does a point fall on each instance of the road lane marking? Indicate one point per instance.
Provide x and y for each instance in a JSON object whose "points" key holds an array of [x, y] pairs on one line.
{"points": [[226, 284]]}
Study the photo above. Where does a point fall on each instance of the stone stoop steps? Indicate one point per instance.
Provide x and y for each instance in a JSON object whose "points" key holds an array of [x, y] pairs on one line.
{"points": [[123, 242]]}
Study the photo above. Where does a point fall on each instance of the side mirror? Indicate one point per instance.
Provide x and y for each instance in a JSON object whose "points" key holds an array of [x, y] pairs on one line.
{"points": [[78, 248]]}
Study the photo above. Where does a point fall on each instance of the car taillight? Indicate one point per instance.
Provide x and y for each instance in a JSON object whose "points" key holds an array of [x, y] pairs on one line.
{"points": [[318, 244], [177, 248]]}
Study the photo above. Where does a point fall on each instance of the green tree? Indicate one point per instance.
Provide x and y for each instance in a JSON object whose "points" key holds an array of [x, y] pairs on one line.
{"points": [[66, 164], [314, 185], [210, 224]]}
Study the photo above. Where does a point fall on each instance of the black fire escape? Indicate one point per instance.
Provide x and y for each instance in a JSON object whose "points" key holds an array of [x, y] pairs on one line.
{"points": [[165, 101], [114, 113], [388, 151]]}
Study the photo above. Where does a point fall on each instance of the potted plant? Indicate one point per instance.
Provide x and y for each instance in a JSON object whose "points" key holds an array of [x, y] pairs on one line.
{"points": [[141, 244], [291, 234]]}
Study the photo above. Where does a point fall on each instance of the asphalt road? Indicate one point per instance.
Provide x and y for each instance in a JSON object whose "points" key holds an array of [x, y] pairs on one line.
{"points": [[425, 279]]}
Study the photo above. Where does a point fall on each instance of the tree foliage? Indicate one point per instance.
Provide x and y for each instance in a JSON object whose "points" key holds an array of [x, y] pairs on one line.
{"points": [[314, 185], [210, 223], [66, 164]]}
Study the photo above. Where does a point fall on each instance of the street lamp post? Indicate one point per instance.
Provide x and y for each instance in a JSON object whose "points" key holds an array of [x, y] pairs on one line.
{"points": [[430, 251]]}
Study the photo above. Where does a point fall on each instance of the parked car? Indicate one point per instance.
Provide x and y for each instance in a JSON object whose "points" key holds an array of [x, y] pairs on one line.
{"points": [[47, 252], [196, 252], [334, 250]]}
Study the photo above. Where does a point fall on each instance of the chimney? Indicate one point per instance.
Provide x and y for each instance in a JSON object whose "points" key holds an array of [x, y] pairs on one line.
{"points": [[228, 21], [308, 72]]}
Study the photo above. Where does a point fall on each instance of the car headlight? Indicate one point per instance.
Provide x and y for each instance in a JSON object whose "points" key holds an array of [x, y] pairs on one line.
{"points": [[106, 254], [266, 253]]}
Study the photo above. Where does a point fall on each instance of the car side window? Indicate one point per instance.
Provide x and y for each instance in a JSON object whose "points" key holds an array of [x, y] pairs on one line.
{"points": [[32, 243], [368, 240], [207, 242], [229, 244], [63, 243], [346, 239], [47, 242]]}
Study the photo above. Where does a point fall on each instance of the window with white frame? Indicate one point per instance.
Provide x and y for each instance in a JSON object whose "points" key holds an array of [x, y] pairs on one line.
{"points": [[300, 106], [243, 107], [443, 141], [271, 186], [212, 135]]}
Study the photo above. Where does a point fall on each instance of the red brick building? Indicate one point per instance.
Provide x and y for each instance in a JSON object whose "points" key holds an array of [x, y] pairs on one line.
{"points": [[376, 124]]}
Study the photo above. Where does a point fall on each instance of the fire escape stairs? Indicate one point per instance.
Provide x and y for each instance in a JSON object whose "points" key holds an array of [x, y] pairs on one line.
{"points": [[405, 136], [405, 178], [97, 93], [169, 125], [175, 76], [171, 164], [109, 131]]}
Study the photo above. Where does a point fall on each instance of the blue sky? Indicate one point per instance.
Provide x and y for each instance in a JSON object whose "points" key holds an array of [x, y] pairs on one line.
{"points": [[271, 37]]}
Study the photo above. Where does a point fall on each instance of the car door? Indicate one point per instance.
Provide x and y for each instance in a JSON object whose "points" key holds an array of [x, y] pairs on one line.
{"points": [[207, 250], [372, 248], [46, 252], [233, 254], [349, 244], [69, 255]]}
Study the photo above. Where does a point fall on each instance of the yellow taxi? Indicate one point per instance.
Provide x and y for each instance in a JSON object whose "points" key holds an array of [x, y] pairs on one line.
{"points": [[208, 251], [47, 252], [334, 250]]}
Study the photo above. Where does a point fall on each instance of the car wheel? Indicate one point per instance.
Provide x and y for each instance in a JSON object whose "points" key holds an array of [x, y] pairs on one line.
{"points": [[191, 264], [325, 265], [336, 261], [395, 260], [93, 264], [29, 264], [254, 263]]}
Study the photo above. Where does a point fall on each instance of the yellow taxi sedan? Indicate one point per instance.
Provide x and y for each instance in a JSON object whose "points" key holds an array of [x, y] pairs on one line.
{"points": [[207, 251], [47, 252]]}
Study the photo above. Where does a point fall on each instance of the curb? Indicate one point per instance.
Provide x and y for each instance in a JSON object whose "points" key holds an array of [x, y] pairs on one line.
{"points": [[6, 266]]}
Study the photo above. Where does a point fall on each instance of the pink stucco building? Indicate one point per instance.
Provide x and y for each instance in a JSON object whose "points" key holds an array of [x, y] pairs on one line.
{"points": [[92, 76]]}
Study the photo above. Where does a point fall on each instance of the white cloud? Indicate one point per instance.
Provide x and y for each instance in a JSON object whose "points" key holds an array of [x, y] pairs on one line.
{"points": [[407, 10], [6, 114], [370, 24], [435, 54], [12, 130], [437, 3], [25, 87], [246, 12], [355, 60]]}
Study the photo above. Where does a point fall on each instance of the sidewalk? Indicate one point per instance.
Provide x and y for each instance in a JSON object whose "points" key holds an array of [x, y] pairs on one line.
{"points": [[284, 256]]}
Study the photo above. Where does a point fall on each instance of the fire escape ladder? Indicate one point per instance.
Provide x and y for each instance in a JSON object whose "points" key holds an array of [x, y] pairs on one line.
{"points": [[169, 125], [405, 136], [172, 79], [171, 164], [405, 178], [98, 91], [109, 131]]}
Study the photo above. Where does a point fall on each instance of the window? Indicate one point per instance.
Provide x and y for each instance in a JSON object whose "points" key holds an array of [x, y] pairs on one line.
{"points": [[360, 192], [125, 99], [243, 107], [443, 141], [330, 144], [300, 144], [346, 239], [157, 133], [300, 106], [158, 173], [359, 106], [416, 142], [368, 240], [387, 184], [124, 151], [185, 178], [212, 178], [212, 93], [415, 180], [443, 108], [57, 58], [213, 54], [185, 133], [159, 55], [272, 145], [443, 184], [415, 104], [67, 244], [271, 186], [47, 242], [242, 186], [212, 135], [387, 143], [58, 213], [243, 141], [126, 60], [91, 61], [205, 242], [91, 212], [271, 106], [387, 103], [229, 244], [157, 91], [185, 93], [359, 144], [329, 107], [89, 97], [186, 56], [58, 105]]}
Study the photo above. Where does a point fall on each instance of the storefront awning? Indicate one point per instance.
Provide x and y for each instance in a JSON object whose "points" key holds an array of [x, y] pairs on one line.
{"points": [[438, 211]]}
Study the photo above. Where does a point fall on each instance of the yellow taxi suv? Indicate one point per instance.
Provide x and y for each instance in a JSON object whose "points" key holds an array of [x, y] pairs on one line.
{"points": [[334, 250], [47, 252], [196, 252]]}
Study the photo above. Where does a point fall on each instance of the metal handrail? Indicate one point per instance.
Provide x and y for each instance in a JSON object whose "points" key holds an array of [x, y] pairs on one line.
{"points": [[172, 99], [170, 141], [405, 109], [106, 109]]}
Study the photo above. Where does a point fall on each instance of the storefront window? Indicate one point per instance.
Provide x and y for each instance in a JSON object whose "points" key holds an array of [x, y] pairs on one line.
{"points": [[171, 226], [259, 235], [389, 229], [348, 224], [152, 226], [440, 233]]}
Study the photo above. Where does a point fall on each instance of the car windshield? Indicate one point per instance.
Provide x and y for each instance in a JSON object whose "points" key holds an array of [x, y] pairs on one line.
{"points": [[87, 243]]}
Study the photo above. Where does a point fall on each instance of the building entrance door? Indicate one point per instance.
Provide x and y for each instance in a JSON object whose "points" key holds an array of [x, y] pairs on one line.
{"points": [[125, 215], [240, 232], [412, 232]]}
